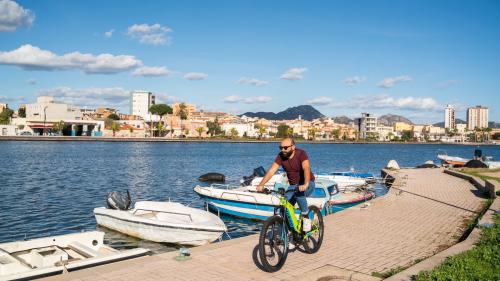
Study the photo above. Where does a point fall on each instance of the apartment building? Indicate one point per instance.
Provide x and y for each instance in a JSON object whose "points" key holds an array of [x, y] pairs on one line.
{"points": [[449, 117], [140, 102], [367, 125], [477, 117]]}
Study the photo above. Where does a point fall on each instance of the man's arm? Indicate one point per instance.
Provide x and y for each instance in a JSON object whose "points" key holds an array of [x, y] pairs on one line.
{"points": [[267, 177], [306, 166]]}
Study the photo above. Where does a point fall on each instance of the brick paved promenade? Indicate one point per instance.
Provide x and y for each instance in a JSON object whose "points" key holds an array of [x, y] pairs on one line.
{"points": [[395, 230]]}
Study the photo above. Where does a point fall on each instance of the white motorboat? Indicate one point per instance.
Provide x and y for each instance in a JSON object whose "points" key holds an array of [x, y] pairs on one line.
{"points": [[245, 202], [166, 222], [343, 181], [41, 257]]}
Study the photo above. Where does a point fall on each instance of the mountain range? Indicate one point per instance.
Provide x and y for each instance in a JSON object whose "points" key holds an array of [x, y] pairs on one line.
{"points": [[306, 112], [309, 113]]}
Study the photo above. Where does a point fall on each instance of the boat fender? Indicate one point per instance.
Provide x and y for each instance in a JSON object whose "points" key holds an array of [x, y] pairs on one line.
{"points": [[214, 177]]}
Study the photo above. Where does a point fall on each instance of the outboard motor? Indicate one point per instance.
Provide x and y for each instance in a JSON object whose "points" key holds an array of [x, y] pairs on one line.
{"points": [[478, 153], [118, 201], [257, 172]]}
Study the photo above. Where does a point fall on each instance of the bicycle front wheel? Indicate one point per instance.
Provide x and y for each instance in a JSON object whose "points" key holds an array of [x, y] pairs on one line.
{"points": [[314, 238], [273, 244]]}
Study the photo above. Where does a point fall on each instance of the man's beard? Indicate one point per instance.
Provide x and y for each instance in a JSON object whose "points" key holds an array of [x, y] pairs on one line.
{"points": [[286, 154]]}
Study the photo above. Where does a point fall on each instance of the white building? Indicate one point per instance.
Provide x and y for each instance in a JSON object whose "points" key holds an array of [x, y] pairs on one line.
{"points": [[46, 109], [9, 130], [42, 115], [140, 102], [477, 117], [242, 128], [449, 117], [367, 125], [385, 133]]}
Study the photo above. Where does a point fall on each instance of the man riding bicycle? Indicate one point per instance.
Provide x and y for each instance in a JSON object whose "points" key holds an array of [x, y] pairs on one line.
{"points": [[296, 164]]}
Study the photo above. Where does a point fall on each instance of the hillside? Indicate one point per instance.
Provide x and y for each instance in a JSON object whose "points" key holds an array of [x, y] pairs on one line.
{"points": [[306, 111], [390, 119]]}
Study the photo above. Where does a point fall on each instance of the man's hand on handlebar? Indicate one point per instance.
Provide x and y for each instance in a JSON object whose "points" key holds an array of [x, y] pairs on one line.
{"points": [[260, 188], [303, 187]]}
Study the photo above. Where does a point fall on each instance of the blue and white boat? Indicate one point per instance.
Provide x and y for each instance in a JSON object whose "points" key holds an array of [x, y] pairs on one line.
{"points": [[369, 177], [244, 202]]}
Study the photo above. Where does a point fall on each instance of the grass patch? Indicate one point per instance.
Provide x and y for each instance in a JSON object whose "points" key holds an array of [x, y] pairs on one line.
{"points": [[481, 173], [480, 263], [388, 273]]}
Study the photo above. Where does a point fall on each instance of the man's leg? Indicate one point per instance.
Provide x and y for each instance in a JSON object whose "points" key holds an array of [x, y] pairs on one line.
{"points": [[301, 198], [290, 196]]}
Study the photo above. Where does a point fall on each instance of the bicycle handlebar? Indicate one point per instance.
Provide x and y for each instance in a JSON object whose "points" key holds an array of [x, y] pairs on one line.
{"points": [[269, 191]]}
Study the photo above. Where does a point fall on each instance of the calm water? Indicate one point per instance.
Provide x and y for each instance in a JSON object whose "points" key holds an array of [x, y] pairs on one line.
{"points": [[50, 188]]}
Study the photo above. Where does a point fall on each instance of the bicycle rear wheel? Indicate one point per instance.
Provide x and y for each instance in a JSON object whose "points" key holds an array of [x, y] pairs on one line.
{"points": [[273, 244], [314, 238]]}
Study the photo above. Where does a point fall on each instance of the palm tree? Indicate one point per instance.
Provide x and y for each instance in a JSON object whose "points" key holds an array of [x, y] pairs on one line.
{"points": [[312, 133], [59, 126], [200, 131], [488, 131], [183, 114], [161, 129], [115, 127], [262, 130], [234, 133]]}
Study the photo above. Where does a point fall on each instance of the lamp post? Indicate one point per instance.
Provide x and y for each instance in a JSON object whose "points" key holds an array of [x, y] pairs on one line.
{"points": [[44, 119]]}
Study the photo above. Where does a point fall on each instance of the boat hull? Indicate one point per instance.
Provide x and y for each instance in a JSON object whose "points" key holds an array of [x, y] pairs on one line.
{"points": [[126, 223]]}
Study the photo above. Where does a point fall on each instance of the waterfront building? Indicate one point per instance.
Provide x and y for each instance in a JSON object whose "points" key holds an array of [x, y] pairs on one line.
{"points": [[385, 133], [449, 117], [461, 128], [140, 102], [42, 115], [477, 117], [367, 125], [243, 129], [9, 130]]}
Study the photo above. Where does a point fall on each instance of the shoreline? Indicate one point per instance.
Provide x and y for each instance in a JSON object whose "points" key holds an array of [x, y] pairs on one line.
{"points": [[210, 140]]}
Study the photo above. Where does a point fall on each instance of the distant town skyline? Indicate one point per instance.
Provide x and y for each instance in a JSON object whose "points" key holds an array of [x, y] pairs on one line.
{"points": [[343, 58]]}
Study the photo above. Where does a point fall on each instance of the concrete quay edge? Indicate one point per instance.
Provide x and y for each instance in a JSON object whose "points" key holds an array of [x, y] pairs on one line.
{"points": [[467, 244]]}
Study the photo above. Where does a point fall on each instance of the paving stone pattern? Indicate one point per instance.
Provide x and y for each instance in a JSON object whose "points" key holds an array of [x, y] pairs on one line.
{"points": [[423, 214]]}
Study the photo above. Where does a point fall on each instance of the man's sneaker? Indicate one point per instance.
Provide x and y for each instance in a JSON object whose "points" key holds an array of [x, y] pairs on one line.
{"points": [[291, 246], [306, 225]]}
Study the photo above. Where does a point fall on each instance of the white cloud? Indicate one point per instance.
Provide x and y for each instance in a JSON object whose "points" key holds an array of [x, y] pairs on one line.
{"points": [[384, 101], [164, 98], [108, 34], [252, 81], [150, 71], [447, 84], [351, 81], [13, 16], [33, 58], [249, 100], [390, 81], [293, 74], [31, 81], [320, 101], [9, 100], [154, 34], [114, 97], [192, 76]]}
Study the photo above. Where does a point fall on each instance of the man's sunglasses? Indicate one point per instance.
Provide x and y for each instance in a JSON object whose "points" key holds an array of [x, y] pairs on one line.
{"points": [[285, 147]]}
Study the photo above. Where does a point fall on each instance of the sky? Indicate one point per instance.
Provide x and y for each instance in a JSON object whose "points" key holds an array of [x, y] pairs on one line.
{"points": [[409, 58]]}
